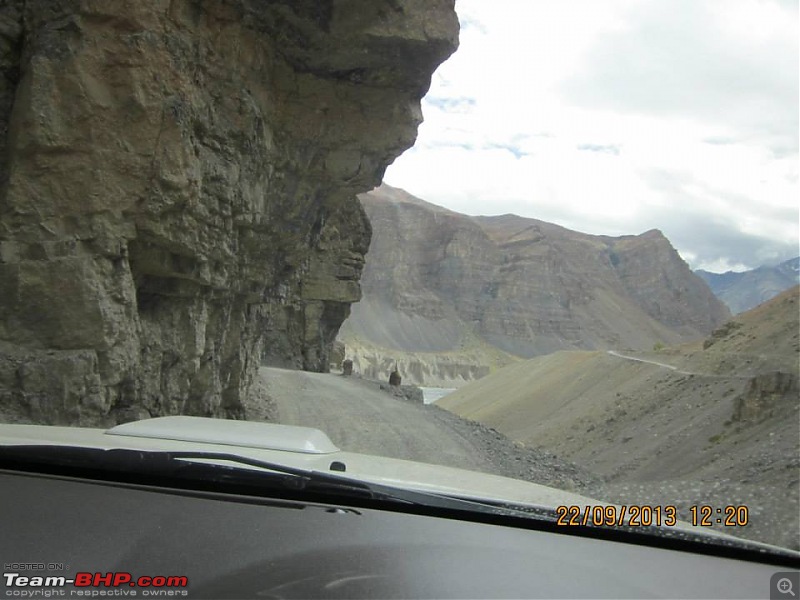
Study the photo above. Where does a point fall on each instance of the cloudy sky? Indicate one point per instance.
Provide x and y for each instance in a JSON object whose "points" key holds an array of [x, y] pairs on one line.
{"points": [[618, 116]]}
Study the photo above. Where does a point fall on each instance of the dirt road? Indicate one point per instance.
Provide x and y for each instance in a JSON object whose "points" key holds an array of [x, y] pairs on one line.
{"points": [[649, 362], [360, 417], [676, 369]]}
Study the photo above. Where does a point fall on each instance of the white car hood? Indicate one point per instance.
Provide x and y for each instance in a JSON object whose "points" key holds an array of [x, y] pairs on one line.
{"points": [[308, 449], [298, 447]]}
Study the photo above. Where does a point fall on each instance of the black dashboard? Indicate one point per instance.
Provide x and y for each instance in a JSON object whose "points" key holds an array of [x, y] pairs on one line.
{"points": [[182, 543]]}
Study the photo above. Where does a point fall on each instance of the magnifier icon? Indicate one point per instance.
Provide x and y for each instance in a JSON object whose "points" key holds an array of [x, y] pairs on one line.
{"points": [[784, 586]]}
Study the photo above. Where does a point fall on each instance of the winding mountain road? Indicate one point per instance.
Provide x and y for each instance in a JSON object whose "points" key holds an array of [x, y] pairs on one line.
{"points": [[650, 362], [676, 369]]}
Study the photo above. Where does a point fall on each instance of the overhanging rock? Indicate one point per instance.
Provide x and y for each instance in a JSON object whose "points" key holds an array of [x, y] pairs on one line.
{"points": [[178, 190]]}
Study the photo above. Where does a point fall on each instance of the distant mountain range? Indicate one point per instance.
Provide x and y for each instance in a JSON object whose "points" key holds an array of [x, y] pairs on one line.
{"points": [[745, 290], [492, 289]]}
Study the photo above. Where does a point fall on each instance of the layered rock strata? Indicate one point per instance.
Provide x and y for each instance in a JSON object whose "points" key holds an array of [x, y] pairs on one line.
{"points": [[178, 190], [437, 281]]}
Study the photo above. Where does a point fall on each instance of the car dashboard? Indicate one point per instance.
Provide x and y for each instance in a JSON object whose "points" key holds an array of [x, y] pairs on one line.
{"points": [[215, 545]]}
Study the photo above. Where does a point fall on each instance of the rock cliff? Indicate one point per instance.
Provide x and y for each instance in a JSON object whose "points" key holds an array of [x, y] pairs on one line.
{"points": [[436, 280], [177, 190]]}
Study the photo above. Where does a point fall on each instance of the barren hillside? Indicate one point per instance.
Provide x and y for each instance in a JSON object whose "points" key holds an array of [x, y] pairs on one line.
{"points": [[715, 420]]}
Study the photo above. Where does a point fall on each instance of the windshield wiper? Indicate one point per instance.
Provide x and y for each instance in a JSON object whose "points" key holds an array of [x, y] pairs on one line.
{"points": [[241, 474], [257, 480]]}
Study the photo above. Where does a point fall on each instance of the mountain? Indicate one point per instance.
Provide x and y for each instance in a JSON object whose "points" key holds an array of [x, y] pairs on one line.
{"points": [[745, 290], [663, 427], [439, 282]]}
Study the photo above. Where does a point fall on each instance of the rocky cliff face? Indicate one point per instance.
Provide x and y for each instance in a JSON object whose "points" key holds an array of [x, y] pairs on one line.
{"points": [[434, 278], [765, 395], [178, 190]]}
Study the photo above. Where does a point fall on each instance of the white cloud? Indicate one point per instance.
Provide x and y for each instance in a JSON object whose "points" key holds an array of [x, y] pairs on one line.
{"points": [[620, 116]]}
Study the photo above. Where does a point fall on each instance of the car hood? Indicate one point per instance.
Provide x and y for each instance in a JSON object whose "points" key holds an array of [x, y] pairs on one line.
{"points": [[298, 447], [311, 450]]}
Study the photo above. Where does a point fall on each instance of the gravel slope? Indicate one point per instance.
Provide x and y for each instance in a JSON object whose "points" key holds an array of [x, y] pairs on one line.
{"points": [[710, 423]]}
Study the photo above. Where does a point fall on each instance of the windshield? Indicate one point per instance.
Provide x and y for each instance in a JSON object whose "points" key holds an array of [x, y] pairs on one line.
{"points": [[551, 241]]}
